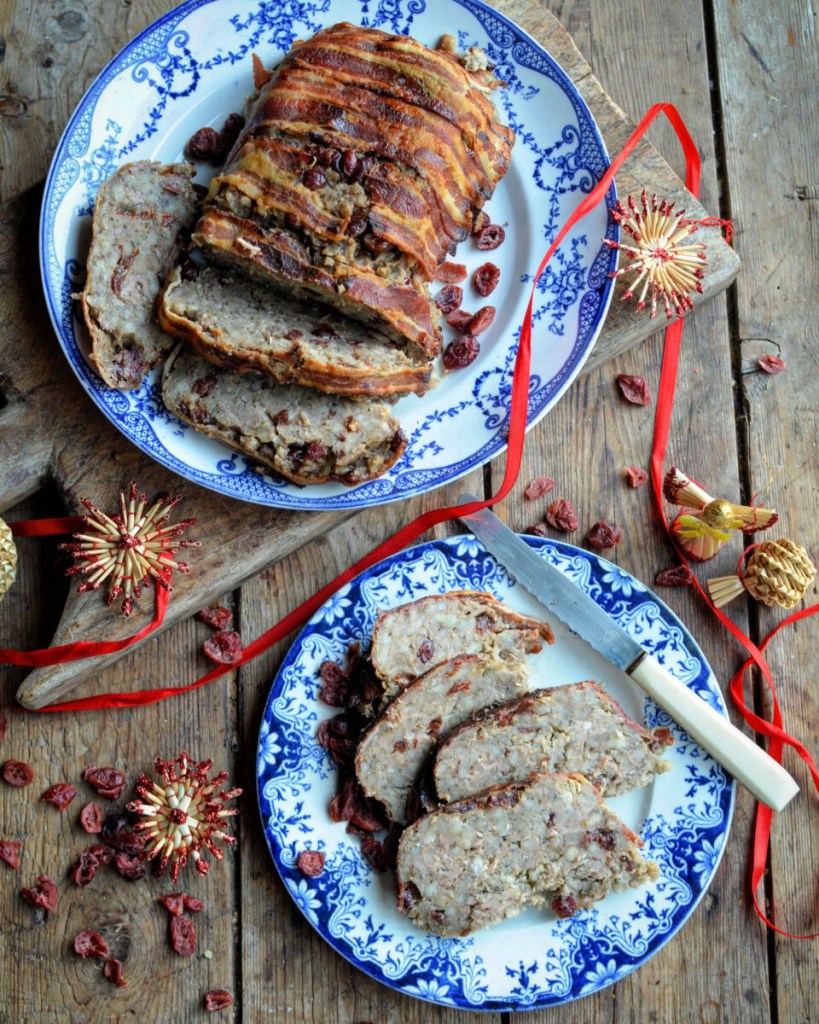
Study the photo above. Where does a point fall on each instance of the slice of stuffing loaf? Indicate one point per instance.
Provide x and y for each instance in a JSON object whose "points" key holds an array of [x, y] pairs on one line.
{"points": [[393, 752], [550, 840], [574, 728], [142, 219], [240, 324], [307, 436], [413, 638]]}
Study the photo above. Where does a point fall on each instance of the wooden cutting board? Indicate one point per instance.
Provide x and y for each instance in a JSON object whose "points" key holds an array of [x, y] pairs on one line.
{"points": [[51, 431]]}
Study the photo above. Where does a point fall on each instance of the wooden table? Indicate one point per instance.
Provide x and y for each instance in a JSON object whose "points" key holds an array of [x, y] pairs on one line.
{"points": [[741, 76]]}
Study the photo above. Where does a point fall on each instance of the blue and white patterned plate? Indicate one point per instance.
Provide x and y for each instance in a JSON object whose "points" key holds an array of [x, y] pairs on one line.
{"points": [[536, 959], [193, 67]]}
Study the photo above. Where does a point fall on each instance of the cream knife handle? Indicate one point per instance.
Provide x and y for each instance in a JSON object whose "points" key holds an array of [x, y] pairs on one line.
{"points": [[739, 755]]}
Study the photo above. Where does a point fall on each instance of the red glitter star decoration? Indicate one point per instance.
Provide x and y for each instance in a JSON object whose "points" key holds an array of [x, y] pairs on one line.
{"points": [[671, 270], [128, 548], [183, 814]]}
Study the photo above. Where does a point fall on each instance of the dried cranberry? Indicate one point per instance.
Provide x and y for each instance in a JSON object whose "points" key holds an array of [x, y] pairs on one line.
{"points": [[90, 945], [634, 389], [224, 648], [461, 352], [537, 530], [679, 576], [216, 616], [108, 782], [206, 144], [218, 999], [771, 364], [333, 735], [460, 319], [358, 223], [560, 515], [349, 163], [3, 724], [485, 279], [564, 906], [103, 853], [310, 863], [18, 773], [192, 903], [636, 476], [352, 805], [183, 935], [449, 298], [173, 902], [10, 852], [60, 794], [481, 321], [449, 273], [231, 129], [426, 650], [83, 871], [604, 535], [43, 894], [314, 178], [115, 822], [130, 867], [538, 487], [490, 236], [335, 689], [91, 818], [316, 450], [112, 971]]}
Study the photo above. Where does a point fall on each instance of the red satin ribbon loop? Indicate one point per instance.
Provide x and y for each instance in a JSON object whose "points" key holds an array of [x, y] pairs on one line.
{"points": [[46, 527]]}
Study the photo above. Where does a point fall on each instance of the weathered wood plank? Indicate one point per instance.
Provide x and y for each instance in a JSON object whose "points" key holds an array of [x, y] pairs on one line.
{"points": [[767, 70]]}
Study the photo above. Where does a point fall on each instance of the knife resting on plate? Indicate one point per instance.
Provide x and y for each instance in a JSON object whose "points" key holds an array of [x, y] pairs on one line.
{"points": [[736, 752]]}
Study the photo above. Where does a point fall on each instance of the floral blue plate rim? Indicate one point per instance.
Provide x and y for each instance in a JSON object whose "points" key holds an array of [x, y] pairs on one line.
{"points": [[535, 960], [192, 66]]}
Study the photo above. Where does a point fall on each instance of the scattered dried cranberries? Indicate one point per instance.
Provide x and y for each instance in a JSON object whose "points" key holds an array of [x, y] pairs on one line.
{"points": [[91, 818], [108, 782], [218, 999], [538, 487], [490, 236], [224, 647], [461, 352], [634, 389], [216, 616], [481, 321], [310, 863], [485, 279], [604, 535], [679, 576], [560, 515], [183, 935], [449, 298], [60, 794], [43, 894], [18, 773], [90, 945], [450, 273], [636, 476], [771, 364], [112, 971], [10, 852]]}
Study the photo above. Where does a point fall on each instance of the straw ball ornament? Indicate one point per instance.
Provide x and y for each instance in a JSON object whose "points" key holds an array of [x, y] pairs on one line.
{"points": [[779, 572], [8, 558]]}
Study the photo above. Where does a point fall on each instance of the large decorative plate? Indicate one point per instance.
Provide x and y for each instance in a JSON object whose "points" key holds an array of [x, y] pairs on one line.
{"points": [[192, 68], [536, 959]]}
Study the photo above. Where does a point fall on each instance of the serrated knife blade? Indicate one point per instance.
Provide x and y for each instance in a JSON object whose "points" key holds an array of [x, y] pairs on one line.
{"points": [[736, 752]]}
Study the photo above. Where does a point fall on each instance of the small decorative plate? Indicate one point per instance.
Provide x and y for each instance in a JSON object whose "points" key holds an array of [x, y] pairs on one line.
{"points": [[192, 68], [536, 959]]}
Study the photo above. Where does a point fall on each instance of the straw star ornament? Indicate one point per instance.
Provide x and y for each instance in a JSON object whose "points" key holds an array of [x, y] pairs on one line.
{"points": [[663, 266], [127, 549]]}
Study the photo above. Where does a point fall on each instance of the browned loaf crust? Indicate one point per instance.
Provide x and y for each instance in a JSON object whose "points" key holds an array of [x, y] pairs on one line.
{"points": [[142, 216], [239, 324], [366, 158], [573, 728], [413, 638], [306, 436], [547, 841], [392, 753]]}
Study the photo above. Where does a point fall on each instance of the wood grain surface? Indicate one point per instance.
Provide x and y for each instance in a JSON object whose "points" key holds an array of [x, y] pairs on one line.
{"points": [[741, 76]]}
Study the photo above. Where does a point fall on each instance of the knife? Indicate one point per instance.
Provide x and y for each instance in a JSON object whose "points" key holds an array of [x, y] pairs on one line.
{"points": [[736, 752]]}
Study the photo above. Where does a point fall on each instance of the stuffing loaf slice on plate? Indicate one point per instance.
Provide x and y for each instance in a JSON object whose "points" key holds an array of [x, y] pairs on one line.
{"points": [[239, 323], [547, 841], [413, 638], [305, 435], [393, 751], [573, 728], [142, 219], [365, 159]]}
